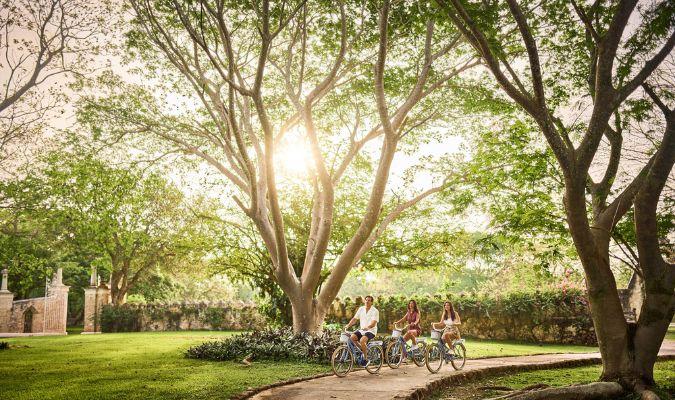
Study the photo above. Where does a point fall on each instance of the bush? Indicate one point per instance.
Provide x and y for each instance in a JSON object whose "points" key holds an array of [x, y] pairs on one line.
{"points": [[4, 345], [120, 319], [270, 344]]}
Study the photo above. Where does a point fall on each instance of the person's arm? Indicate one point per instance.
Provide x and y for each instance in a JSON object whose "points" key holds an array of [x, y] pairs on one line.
{"points": [[458, 320], [440, 322], [376, 319], [351, 322], [354, 318], [401, 320], [417, 320]]}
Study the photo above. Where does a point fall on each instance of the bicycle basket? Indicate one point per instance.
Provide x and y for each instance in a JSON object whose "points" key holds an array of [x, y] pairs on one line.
{"points": [[344, 338], [396, 333], [436, 334]]}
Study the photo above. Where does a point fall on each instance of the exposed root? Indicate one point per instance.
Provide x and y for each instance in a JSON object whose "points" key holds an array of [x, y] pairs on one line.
{"points": [[591, 391], [498, 388], [648, 395]]}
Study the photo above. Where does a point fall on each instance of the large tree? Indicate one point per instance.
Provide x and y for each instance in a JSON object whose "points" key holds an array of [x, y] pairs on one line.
{"points": [[355, 81], [576, 50], [126, 220], [43, 44]]}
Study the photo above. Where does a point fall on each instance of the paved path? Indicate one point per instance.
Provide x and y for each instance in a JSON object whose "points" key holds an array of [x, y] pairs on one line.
{"points": [[410, 381]]}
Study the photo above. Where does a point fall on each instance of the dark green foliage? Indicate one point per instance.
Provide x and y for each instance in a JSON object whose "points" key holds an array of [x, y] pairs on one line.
{"points": [[120, 319], [270, 344], [4, 346]]}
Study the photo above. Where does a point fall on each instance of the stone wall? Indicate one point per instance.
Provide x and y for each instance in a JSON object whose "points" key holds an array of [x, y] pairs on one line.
{"points": [[41, 315], [181, 316]]}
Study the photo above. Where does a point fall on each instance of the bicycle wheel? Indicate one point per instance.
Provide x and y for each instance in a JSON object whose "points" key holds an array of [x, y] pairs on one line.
{"points": [[418, 355], [459, 358], [394, 354], [433, 357], [342, 361], [376, 359]]}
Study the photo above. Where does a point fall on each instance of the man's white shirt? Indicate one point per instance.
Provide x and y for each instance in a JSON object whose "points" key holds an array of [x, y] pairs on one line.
{"points": [[366, 318]]}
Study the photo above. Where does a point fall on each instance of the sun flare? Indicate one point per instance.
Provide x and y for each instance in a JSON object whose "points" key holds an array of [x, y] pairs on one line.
{"points": [[293, 156]]}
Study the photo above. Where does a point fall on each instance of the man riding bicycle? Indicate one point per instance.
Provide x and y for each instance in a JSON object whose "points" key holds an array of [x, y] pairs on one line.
{"points": [[368, 317]]}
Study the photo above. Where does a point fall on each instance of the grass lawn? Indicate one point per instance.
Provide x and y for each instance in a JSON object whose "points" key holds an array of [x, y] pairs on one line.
{"points": [[671, 333], [664, 374], [151, 365], [144, 365], [476, 348]]}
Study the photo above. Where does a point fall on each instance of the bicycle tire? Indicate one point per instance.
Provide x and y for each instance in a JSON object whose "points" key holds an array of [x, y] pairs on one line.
{"points": [[342, 361], [459, 358], [376, 358], [433, 358], [394, 354], [418, 357]]}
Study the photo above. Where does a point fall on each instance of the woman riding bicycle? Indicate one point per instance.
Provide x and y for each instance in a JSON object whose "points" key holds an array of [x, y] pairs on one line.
{"points": [[412, 317], [448, 323]]}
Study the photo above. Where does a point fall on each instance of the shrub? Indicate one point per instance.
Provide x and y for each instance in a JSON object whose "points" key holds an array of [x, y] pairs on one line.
{"points": [[120, 319], [270, 344], [4, 345]]}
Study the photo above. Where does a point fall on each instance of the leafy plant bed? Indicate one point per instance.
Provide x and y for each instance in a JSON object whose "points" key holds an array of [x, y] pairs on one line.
{"points": [[503, 384], [269, 344], [4, 345]]}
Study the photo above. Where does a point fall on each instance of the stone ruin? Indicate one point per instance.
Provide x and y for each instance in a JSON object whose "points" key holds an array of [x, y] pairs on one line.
{"points": [[37, 316], [95, 297]]}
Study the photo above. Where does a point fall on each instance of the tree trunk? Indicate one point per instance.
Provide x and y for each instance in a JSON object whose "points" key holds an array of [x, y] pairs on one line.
{"points": [[606, 311], [307, 317], [658, 275], [118, 291]]}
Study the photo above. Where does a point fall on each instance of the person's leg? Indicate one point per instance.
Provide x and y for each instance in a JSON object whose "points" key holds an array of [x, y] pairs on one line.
{"points": [[356, 336], [447, 339], [413, 336], [454, 334], [364, 345]]}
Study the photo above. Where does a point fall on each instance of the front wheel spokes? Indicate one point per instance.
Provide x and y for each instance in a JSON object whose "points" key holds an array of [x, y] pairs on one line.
{"points": [[459, 358], [418, 355], [433, 358], [394, 354], [375, 358], [342, 361]]}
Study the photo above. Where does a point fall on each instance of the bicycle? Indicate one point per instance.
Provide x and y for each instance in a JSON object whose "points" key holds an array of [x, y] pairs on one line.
{"points": [[399, 348], [344, 355], [436, 354]]}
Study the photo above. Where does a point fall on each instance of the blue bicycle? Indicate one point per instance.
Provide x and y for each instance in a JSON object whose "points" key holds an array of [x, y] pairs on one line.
{"points": [[439, 352], [398, 349], [347, 352]]}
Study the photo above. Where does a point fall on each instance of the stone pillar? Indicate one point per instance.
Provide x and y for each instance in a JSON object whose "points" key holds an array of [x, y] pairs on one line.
{"points": [[56, 305], [3, 285], [95, 297], [6, 299]]}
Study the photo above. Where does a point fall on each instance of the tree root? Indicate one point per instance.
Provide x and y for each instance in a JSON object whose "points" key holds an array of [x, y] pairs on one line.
{"points": [[498, 388], [591, 391], [648, 395]]}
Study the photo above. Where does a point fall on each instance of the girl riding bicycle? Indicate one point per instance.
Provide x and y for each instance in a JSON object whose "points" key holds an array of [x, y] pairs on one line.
{"points": [[448, 323], [412, 318]]}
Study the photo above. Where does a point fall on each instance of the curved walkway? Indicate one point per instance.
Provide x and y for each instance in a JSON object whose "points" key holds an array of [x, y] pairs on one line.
{"points": [[412, 382]]}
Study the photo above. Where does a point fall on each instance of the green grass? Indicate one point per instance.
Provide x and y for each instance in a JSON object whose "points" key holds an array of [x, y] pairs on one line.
{"points": [[129, 366], [670, 335], [664, 374], [476, 348], [151, 365]]}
